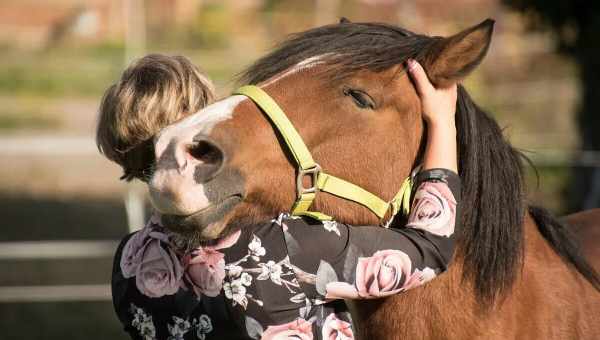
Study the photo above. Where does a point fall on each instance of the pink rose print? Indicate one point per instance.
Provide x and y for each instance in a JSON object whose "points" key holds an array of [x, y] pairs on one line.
{"points": [[205, 267], [297, 329], [433, 209], [132, 252], [159, 272], [419, 277], [383, 274], [205, 271], [149, 255], [336, 329]]}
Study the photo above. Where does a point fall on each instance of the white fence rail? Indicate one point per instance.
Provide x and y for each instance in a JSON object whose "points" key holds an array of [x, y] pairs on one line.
{"points": [[53, 250], [66, 293], [561, 158], [44, 250]]}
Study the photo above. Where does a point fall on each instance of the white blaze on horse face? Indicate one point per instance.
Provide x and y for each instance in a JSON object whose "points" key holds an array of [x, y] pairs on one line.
{"points": [[173, 189], [201, 122], [303, 65]]}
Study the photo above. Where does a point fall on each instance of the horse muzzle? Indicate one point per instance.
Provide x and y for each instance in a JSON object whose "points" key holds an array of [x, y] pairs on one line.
{"points": [[206, 224]]}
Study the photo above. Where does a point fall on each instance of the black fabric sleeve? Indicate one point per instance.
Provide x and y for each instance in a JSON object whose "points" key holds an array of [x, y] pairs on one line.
{"points": [[447, 176]]}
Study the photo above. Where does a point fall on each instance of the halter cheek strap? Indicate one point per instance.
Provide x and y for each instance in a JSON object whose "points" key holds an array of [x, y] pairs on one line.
{"points": [[321, 181]]}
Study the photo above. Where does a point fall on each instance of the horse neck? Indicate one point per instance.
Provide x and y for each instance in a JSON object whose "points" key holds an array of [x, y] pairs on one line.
{"points": [[447, 307]]}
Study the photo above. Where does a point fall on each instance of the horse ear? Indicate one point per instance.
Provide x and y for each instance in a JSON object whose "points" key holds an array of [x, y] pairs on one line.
{"points": [[344, 20], [451, 59]]}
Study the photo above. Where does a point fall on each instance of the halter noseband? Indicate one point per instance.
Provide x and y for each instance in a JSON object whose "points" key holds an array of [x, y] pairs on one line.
{"points": [[322, 181]]}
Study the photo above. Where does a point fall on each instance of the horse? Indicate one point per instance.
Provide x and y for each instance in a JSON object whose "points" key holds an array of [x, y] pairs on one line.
{"points": [[515, 272], [585, 228]]}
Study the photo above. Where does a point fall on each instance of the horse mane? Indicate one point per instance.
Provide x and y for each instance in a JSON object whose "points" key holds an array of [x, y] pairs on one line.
{"points": [[493, 207], [346, 48]]}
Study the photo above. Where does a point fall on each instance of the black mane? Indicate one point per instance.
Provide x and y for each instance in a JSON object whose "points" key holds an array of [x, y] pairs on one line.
{"points": [[346, 47], [490, 168]]}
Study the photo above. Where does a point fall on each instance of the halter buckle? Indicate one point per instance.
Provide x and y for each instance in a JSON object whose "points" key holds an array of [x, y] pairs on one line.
{"points": [[313, 172]]}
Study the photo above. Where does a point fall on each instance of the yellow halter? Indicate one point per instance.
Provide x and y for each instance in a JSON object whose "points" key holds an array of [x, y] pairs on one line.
{"points": [[321, 181]]}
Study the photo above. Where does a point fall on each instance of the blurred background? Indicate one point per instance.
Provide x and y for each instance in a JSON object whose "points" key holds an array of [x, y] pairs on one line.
{"points": [[62, 206]]}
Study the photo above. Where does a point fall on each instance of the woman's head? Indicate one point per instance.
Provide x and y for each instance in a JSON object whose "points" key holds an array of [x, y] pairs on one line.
{"points": [[153, 92]]}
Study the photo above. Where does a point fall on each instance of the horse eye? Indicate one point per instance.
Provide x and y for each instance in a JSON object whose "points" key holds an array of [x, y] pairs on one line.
{"points": [[360, 98]]}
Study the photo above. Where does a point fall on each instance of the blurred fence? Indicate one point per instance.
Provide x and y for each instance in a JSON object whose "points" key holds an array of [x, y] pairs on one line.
{"points": [[558, 158], [46, 250]]}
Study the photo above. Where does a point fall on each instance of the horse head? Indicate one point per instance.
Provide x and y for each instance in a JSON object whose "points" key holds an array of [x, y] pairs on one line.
{"points": [[345, 90]]}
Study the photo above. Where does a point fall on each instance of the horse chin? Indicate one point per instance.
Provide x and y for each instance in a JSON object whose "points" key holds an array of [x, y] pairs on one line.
{"points": [[205, 225]]}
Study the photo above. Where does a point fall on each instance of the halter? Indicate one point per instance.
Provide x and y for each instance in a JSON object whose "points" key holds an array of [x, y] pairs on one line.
{"points": [[321, 181]]}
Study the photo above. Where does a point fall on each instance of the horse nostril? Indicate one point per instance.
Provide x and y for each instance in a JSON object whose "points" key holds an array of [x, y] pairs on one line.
{"points": [[206, 152], [210, 158]]}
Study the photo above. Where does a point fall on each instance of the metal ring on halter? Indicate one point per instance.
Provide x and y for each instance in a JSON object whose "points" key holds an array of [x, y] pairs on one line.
{"points": [[314, 176]]}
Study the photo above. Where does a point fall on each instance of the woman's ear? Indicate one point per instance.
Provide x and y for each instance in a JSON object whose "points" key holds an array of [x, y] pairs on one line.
{"points": [[451, 59]]}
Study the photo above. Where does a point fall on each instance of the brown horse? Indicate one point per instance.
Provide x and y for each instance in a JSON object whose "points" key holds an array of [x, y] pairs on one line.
{"points": [[515, 273], [585, 226]]}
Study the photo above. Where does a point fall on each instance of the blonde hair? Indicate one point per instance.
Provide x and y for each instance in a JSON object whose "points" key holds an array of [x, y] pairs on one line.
{"points": [[153, 92]]}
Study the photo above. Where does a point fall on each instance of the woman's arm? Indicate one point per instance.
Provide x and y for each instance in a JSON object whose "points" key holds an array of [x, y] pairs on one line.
{"points": [[439, 108], [334, 260]]}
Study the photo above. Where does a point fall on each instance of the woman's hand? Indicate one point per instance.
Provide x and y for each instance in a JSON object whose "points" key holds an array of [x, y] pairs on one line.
{"points": [[439, 108], [439, 105]]}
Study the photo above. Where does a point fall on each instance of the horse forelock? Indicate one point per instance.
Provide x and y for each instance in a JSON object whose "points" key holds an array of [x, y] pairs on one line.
{"points": [[491, 244]]}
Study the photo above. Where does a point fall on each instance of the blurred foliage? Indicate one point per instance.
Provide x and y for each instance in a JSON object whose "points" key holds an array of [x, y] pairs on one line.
{"points": [[546, 183], [574, 22], [576, 25], [211, 28], [13, 120], [60, 71]]}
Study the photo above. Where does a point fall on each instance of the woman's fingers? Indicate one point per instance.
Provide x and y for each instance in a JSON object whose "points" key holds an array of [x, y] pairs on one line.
{"points": [[418, 75], [437, 105]]}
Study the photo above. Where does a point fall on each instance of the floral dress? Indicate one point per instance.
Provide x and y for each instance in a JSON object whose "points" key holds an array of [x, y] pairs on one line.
{"points": [[285, 278]]}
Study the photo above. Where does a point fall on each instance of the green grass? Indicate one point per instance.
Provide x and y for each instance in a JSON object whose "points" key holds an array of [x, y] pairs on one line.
{"points": [[88, 71], [14, 120], [34, 84], [59, 71]]}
